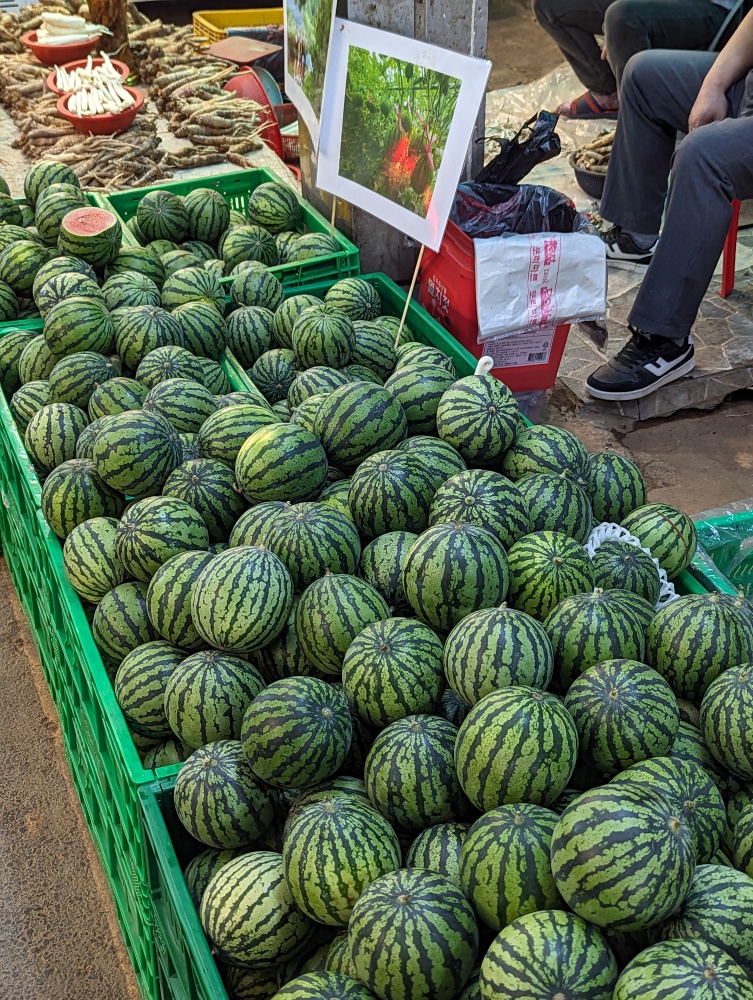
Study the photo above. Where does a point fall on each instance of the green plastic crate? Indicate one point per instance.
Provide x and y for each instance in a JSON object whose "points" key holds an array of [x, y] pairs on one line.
{"points": [[724, 560], [236, 187]]}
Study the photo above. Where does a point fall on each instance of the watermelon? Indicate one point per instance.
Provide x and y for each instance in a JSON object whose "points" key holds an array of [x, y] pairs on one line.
{"points": [[249, 914], [74, 378], [248, 242], [130, 289], [390, 491], [10, 234], [73, 493], [419, 389], [79, 324], [45, 173], [437, 849], [305, 414], [178, 260], [374, 347], [358, 420], [668, 533], [223, 433], [689, 746], [283, 657], [168, 598], [242, 599], [204, 330], [161, 247], [321, 985], [89, 559], [141, 329], [497, 648], [505, 870], [165, 753], [153, 530], [359, 373], [311, 245], [12, 345], [683, 969], [336, 493], [338, 956], [208, 215], [252, 525], [602, 882], [622, 566], [185, 403], [62, 265], [9, 305], [93, 234], [51, 435], [207, 695], [545, 568], [427, 948], [311, 538], [331, 613], [51, 208], [64, 286], [256, 288], [550, 953], [249, 984], [240, 398], [382, 563], [36, 361], [545, 449], [20, 262], [614, 486], [287, 314], [200, 869], [10, 212], [315, 381], [135, 452], [484, 498], [274, 207], [85, 443], [453, 570], [281, 462], [140, 686], [742, 841], [517, 744], [204, 252], [273, 373], [478, 415], [162, 215], [213, 376], [169, 362], [322, 335], [193, 284], [556, 503], [695, 638], [296, 732], [209, 487], [393, 669], [141, 261], [116, 396], [27, 400], [356, 297], [333, 849], [726, 720]]}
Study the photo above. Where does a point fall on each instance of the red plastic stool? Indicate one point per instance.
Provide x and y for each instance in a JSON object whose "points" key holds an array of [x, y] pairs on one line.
{"points": [[729, 256]]}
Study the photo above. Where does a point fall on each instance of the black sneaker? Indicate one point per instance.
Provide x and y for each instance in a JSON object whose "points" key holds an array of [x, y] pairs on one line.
{"points": [[622, 251], [643, 365]]}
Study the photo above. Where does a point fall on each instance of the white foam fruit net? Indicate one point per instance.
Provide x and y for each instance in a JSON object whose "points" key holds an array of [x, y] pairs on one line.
{"points": [[607, 532]]}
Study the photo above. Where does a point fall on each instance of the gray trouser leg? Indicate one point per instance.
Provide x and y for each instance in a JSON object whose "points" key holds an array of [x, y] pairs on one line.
{"points": [[572, 24]]}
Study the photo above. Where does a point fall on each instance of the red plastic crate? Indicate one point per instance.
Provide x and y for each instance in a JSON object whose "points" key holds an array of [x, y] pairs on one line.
{"points": [[448, 293]]}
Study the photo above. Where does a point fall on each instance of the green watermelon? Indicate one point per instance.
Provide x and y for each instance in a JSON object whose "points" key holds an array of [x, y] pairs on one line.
{"points": [[286, 316], [185, 403], [162, 247], [667, 533], [64, 286], [338, 956], [51, 435], [437, 849], [89, 559], [281, 462], [36, 360], [310, 246], [153, 530], [296, 732], [27, 400], [484, 498], [74, 378], [250, 984], [358, 420], [727, 720], [45, 173], [311, 538], [274, 373], [168, 598], [419, 389], [496, 648], [62, 265], [689, 746], [478, 415], [336, 493], [742, 841], [170, 362], [545, 449], [374, 347], [204, 330], [614, 486], [165, 754], [116, 396], [556, 503], [545, 568], [141, 329], [390, 491], [162, 215], [20, 262], [208, 215], [9, 305], [224, 432], [79, 324], [209, 487], [12, 345], [323, 335], [242, 243], [93, 234], [73, 493], [141, 261], [135, 452], [251, 527], [51, 208], [193, 284], [140, 686], [274, 207], [356, 297], [130, 289], [200, 869], [359, 373], [315, 381], [382, 563], [178, 260], [85, 443], [619, 565], [683, 969], [283, 657]]}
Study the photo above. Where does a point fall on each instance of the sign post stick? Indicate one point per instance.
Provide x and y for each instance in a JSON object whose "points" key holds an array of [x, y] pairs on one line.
{"points": [[410, 295]]}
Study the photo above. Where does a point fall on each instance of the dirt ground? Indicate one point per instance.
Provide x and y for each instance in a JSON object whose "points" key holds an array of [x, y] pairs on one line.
{"points": [[520, 51]]}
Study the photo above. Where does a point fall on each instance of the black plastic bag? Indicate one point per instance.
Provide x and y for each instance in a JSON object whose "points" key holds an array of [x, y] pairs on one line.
{"points": [[486, 210], [535, 143]]}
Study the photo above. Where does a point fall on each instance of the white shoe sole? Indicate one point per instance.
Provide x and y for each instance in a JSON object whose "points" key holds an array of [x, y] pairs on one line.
{"points": [[626, 265], [684, 369]]}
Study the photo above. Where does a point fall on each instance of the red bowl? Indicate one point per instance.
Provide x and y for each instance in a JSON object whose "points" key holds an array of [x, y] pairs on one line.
{"points": [[102, 124], [119, 66], [54, 55]]}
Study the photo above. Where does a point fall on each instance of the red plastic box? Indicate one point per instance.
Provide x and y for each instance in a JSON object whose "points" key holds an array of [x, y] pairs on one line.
{"points": [[448, 293]]}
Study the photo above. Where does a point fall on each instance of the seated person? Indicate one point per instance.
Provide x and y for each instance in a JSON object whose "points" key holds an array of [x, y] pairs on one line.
{"points": [[630, 26], [665, 93]]}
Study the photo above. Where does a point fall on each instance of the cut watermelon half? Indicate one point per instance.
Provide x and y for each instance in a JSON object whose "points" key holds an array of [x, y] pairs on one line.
{"points": [[93, 234]]}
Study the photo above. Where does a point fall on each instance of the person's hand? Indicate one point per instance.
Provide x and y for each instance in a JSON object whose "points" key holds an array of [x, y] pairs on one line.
{"points": [[604, 53], [710, 106]]}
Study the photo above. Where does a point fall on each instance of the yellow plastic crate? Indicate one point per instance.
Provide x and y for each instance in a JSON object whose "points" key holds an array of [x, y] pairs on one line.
{"points": [[213, 24]]}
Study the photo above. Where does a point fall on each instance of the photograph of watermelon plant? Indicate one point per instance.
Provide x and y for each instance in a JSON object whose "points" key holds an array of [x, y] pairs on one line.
{"points": [[396, 122], [308, 26]]}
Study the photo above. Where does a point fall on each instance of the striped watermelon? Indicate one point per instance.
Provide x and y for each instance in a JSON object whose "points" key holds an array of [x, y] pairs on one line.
{"points": [[419, 389], [331, 613], [287, 314], [419, 354], [453, 570], [89, 559], [36, 360], [135, 452], [64, 286], [248, 243], [240, 398], [314, 381], [165, 754], [727, 720], [668, 533], [284, 657], [137, 260], [356, 297], [20, 262], [437, 849], [74, 378], [326, 790], [624, 713], [695, 638], [168, 598], [338, 956], [478, 415], [718, 910], [189, 447], [9, 305], [438, 456], [689, 746], [556, 503], [311, 538], [62, 265], [484, 498], [249, 984], [545, 568], [323, 335], [425, 949], [390, 491], [161, 247], [79, 324], [141, 329], [204, 330], [333, 849], [505, 870], [336, 493], [602, 882], [93, 234], [242, 599], [697, 800], [382, 563], [213, 376], [410, 775], [553, 953], [209, 487], [282, 411], [310, 246], [116, 396], [120, 621], [359, 373], [374, 347], [153, 530], [73, 493], [497, 648], [251, 527], [249, 914], [257, 287], [178, 260], [393, 669], [281, 462], [207, 695], [680, 969], [545, 449], [517, 744], [224, 432], [140, 687], [193, 284], [185, 403], [12, 345], [45, 173], [208, 215], [219, 800], [586, 629], [273, 373], [51, 207], [162, 215], [742, 841], [622, 566], [614, 486], [322, 985], [274, 207], [51, 435], [358, 420], [200, 869], [27, 400], [130, 289], [296, 732]]}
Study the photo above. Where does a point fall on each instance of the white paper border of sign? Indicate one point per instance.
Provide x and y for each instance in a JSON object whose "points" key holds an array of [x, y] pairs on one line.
{"points": [[473, 74], [294, 91]]}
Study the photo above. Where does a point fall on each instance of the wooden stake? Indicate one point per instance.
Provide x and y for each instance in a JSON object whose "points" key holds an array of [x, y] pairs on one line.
{"points": [[410, 295], [332, 217]]}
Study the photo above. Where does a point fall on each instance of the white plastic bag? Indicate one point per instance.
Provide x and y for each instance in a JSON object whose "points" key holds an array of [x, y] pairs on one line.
{"points": [[537, 282]]}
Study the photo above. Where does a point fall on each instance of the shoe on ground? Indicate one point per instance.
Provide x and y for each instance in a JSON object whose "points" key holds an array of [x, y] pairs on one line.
{"points": [[644, 364], [622, 251]]}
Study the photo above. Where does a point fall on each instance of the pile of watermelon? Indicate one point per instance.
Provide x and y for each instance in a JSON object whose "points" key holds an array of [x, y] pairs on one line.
{"points": [[432, 744]]}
